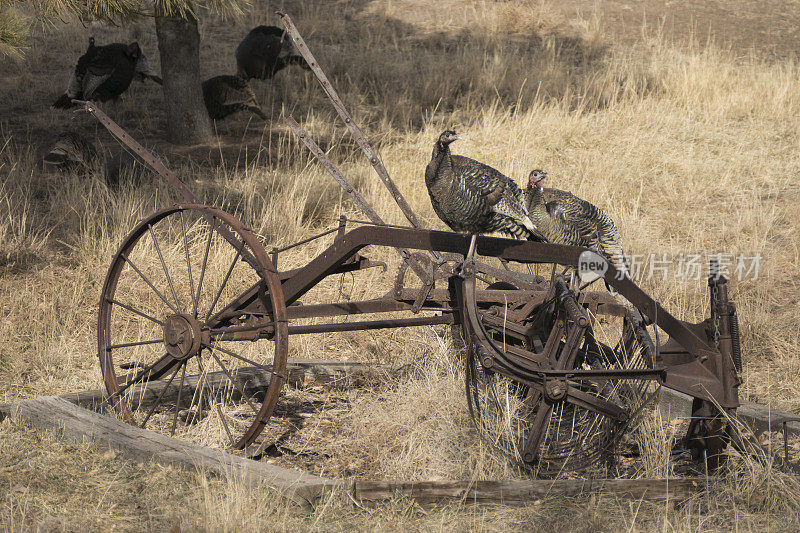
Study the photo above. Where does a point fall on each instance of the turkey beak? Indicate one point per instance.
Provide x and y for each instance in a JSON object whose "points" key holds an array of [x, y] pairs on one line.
{"points": [[538, 183]]}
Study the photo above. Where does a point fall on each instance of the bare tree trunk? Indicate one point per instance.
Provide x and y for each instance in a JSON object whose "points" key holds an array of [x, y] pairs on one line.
{"points": [[179, 46]]}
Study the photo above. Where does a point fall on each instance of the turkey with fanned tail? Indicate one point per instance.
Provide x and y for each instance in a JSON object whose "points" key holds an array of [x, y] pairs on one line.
{"points": [[471, 197]]}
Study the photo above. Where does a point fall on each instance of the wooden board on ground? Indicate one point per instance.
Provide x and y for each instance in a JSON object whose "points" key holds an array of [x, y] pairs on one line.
{"points": [[761, 418], [342, 374], [66, 413], [77, 423], [302, 373], [758, 417], [525, 492]]}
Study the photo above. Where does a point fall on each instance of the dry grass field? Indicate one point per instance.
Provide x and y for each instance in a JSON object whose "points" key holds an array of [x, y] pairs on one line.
{"points": [[690, 143]]}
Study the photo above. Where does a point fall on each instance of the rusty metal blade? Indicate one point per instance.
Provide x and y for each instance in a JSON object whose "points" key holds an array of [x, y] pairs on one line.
{"points": [[359, 136], [337, 174], [362, 141]]}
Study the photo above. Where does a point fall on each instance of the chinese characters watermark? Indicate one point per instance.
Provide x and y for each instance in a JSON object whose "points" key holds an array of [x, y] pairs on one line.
{"points": [[661, 266]]}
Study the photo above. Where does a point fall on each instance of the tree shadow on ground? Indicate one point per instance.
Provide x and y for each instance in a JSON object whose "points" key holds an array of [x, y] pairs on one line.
{"points": [[393, 75]]}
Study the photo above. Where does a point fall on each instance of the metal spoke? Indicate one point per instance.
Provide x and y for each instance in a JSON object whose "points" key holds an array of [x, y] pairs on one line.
{"points": [[595, 404], [134, 310], [178, 401], [140, 376], [530, 444], [160, 395], [129, 344], [232, 380], [203, 268], [225, 425], [164, 265], [224, 282], [188, 262], [146, 280], [241, 357]]}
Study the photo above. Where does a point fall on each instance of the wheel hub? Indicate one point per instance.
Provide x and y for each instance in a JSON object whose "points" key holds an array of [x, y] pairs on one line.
{"points": [[555, 390], [182, 335]]}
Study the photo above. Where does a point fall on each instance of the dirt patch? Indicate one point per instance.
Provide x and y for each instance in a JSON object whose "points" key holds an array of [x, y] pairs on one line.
{"points": [[770, 28]]}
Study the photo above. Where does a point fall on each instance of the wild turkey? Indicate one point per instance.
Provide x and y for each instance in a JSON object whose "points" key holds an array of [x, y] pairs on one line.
{"points": [[563, 218], [265, 51], [225, 95], [475, 198], [105, 72], [72, 153]]}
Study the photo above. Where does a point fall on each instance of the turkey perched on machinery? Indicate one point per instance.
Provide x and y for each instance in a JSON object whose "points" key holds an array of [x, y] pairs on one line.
{"points": [[563, 218], [105, 72], [265, 51], [225, 95], [72, 152], [475, 198]]}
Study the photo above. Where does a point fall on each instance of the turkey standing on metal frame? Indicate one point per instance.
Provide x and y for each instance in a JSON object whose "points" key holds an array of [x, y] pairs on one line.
{"points": [[563, 218], [475, 198]]}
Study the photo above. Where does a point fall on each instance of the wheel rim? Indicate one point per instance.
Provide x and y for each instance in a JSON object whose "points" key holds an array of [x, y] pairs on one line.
{"points": [[535, 425], [161, 317]]}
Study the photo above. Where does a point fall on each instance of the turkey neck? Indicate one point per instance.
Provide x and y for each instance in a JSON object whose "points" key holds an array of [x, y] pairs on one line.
{"points": [[439, 172], [537, 209]]}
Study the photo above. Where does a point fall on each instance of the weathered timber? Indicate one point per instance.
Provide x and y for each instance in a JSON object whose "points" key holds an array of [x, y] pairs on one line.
{"points": [[251, 380], [761, 418], [525, 492], [758, 418], [311, 372], [77, 424]]}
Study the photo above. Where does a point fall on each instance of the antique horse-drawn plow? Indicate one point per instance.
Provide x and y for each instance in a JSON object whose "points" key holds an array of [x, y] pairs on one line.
{"points": [[555, 372]]}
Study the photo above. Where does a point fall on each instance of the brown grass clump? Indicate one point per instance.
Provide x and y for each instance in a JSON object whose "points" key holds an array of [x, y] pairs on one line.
{"points": [[421, 429]]}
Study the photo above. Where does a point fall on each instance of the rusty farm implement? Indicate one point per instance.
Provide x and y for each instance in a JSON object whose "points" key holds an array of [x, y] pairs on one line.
{"points": [[555, 372]]}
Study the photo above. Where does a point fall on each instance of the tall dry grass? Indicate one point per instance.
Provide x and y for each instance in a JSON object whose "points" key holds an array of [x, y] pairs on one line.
{"points": [[689, 149]]}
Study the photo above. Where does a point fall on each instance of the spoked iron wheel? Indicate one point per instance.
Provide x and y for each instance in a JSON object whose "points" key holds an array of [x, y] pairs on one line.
{"points": [[171, 300], [550, 426]]}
